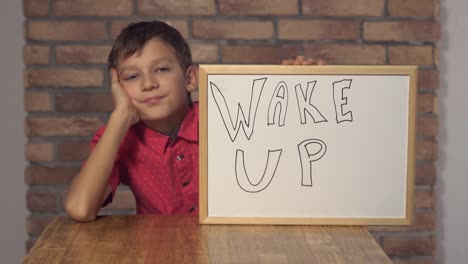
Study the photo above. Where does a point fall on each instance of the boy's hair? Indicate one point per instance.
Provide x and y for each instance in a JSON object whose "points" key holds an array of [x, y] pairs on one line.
{"points": [[134, 37]]}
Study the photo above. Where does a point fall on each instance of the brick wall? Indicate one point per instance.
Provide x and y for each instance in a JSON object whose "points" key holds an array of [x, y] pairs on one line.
{"points": [[66, 82]]}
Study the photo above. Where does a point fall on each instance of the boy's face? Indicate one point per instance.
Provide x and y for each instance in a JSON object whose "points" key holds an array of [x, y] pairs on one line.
{"points": [[156, 84]]}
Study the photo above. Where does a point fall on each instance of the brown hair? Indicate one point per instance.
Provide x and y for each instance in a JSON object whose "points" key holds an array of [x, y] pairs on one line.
{"points": [[133, 38]]}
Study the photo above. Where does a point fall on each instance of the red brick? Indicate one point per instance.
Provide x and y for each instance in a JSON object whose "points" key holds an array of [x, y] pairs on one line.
{"points": [[343, 7], [39, 151], [409, 246], [180, 25], [428, 79], [425, 174], [426, 150], [36, 8], [42, 200], [413, 8], [84, 102], [258, 7], [427, 103], [40, 175], [423, 221], [347, 54], [67, 30], [176, 7], [230, 29], [68, 151], [36, 54], [436, 56], [425, 199], [96, 54], [204, 53], [37, 102], [62, 126], [401, 31], [93, 8], [414, 55], [436, 104], [35, 224], [293, 29], [123, 199], [427, 126], [51, 77], [258, 54]]}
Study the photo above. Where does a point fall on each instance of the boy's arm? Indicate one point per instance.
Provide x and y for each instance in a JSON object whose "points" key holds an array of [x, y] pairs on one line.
{"points": [[90, 186]]}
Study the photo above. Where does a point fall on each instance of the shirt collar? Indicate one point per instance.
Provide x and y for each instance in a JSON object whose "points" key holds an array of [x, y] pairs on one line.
{"points": [[188, 130], [189, 127]]}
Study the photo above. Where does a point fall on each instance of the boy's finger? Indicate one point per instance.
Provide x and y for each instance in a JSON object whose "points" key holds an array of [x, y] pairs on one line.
{"points": [[114, 77], [321, 62], [287, 62], [300, 59], [310, 61]]}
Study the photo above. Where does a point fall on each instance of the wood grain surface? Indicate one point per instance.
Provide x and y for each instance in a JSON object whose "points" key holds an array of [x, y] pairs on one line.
{"points": [[180, 239]]}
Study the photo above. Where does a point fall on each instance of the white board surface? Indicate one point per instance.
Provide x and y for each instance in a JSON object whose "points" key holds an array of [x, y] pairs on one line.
{"points": [[306, 146]]}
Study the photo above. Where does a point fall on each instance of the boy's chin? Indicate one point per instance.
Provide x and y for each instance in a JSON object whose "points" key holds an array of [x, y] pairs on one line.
{"points": [[158, 116], [153, 118]]}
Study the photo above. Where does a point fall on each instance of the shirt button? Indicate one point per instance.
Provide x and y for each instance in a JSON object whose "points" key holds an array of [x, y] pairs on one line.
{"points": [[192, 209], [185, 183], [180, 157]]}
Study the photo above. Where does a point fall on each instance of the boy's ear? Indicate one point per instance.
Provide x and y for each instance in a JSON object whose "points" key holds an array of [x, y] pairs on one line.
{"points": [[192, 77]]}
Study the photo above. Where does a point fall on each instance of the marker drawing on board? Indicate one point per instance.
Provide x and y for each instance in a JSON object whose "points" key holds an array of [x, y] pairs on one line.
{"points": [[309, 150], [340, 101], [279, 101], [243, 179], [246, 124], [304, 102], [307, 157]]}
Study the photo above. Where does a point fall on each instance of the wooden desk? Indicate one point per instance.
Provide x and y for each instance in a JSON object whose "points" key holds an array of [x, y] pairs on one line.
{"points": [[180, 239]]}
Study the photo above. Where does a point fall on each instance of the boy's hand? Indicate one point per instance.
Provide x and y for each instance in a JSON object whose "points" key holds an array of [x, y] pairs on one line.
{"points": [[122, 102], [300, 60]]}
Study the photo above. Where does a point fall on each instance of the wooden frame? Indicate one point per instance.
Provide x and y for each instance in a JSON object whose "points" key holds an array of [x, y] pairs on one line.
{"points": [[270, 70]]}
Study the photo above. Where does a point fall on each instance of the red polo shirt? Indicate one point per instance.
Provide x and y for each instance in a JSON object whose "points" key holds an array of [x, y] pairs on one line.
{"points": [[161, 172]]}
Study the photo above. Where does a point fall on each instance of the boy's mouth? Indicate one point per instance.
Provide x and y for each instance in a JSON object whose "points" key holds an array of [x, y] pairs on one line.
{"points": [[152, 100]]}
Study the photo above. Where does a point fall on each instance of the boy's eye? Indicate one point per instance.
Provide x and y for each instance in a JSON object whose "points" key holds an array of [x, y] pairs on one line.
{"points": [[161, 69], [130, 77]]}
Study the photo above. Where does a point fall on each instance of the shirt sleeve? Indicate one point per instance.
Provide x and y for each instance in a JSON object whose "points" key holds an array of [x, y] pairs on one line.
{"points": [[117, 169]]}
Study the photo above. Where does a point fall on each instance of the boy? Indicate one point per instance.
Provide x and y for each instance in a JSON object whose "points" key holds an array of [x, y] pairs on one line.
{"points": [[151, 139]]}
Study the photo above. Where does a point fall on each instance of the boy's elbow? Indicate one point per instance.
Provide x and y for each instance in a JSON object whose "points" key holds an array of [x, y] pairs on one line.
{"points": [[79, 213], [81, 217]]}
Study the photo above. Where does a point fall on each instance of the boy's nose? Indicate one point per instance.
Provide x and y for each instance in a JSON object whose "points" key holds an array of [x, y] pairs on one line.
{"points": [[149, 84]]}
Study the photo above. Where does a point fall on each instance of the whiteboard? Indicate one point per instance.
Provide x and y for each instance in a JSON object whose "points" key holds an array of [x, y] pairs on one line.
{"points": [[307, 144]]}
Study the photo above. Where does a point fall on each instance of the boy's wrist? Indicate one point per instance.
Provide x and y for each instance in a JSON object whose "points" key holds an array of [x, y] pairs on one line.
{"points": [[122, 116]]}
